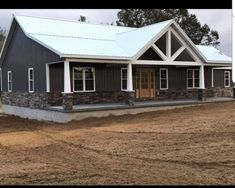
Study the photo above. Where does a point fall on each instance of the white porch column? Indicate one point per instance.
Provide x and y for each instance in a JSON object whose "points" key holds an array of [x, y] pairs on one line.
{"points": [[48, 77], [202, 77], [129, 77], [67, 83]]}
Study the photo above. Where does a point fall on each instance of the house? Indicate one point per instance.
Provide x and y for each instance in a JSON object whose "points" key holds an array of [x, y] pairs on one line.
{"points": [[50, 66]]}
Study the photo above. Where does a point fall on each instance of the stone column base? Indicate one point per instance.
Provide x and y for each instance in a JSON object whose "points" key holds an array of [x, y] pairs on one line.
{"points": [[49, 98], [234, 92], [130, 98], [202, 94], [67, 101]]}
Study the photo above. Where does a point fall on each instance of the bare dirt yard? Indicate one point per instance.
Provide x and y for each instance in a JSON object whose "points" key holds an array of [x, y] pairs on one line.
{"points": [[192, 145]]}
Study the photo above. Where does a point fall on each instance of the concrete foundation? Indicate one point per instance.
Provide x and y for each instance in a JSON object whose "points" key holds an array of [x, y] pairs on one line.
{"points": [[60, 116], [63, 117]]}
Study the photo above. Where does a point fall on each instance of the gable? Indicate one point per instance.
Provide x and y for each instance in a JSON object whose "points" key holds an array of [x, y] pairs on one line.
{"points": [[169, 47], [22, 53], [19, 46]]}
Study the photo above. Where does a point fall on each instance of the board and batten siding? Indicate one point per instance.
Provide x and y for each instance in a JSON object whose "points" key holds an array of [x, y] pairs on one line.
{"points": [[24, 53], [219, 78], [207, 76], [107, 77]]}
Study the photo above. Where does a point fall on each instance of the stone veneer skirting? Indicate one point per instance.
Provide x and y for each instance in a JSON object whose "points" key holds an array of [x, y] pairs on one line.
{"points": [[177, 94], [25, 99], [40, 100], [100, 97]]}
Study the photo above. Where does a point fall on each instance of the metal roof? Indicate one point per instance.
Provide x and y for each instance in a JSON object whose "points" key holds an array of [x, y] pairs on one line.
{"points": [[212, 54], [69, 38]]}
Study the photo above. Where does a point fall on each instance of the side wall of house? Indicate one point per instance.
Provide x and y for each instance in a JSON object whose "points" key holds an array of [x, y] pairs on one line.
{"points": [[23, 53], [219, 89]]}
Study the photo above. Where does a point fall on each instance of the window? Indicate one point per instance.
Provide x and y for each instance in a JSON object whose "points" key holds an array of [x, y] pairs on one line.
{"points": [[124, 79], [9, 81], [193, 78], [163, 79], [83, 79], [31, 79], [226, 79]]}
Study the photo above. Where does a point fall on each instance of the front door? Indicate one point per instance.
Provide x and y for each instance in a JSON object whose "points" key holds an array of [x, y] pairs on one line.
{"points": [[145, 83]]}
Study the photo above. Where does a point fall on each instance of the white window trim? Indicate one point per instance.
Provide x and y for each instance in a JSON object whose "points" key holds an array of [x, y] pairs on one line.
{"points": [[84, 81], [228, 78], [161, 78], [30, 91], [121, 79], [193, 79], [9, 81]]}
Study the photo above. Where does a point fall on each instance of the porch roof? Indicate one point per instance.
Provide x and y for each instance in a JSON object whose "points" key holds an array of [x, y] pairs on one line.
{"points": [[78, 39]]}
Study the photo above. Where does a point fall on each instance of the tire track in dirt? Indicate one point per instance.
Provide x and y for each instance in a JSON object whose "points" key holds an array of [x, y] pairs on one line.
{"points": [[227, 164]]}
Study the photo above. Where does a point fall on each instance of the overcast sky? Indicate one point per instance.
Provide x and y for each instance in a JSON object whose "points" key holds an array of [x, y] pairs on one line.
{"points": [[217, 19]]}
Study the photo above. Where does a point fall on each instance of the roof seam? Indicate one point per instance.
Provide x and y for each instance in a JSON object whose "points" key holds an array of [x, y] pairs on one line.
{"points": [[66, 36], [64, 20]]}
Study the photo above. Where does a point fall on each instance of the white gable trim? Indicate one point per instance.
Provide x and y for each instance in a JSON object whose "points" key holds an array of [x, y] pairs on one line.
{"points": [[168, 43], [168, 59], [168, 29], [159, 52], [152, 41], [189, 40], [177, 53], [178, 63], [194, 56]]}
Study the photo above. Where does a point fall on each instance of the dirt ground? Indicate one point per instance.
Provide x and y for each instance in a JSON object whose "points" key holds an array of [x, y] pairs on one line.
{"points": [[192, 145]]}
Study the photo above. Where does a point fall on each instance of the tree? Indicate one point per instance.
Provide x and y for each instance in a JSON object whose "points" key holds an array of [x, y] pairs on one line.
{"points": [[2, 37], [82, 18], [199, 34]]}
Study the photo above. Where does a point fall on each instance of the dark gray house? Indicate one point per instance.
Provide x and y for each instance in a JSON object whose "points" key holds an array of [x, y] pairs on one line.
{"points": [[51, 67]]}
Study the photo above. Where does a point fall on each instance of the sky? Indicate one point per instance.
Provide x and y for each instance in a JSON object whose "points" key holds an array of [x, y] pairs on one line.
{"points": [[217, 19]]}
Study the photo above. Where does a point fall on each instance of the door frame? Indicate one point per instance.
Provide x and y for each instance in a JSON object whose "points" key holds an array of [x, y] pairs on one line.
{"points": [[137, 91]]}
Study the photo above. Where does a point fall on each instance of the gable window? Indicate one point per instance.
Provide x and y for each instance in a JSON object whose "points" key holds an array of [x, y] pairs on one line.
{"points": [[83, 79], [193, 78], [9, 81], [226, 79], [163, 79], [31, 79], [123, 79]]}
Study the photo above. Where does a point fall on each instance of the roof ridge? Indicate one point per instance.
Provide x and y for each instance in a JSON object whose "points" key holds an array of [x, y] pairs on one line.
{"points": [[66, 20], [66, 36], [144, 27]]}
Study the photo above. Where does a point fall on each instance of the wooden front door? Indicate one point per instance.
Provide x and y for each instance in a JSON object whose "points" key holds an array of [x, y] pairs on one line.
{"points": [[145, 83]]}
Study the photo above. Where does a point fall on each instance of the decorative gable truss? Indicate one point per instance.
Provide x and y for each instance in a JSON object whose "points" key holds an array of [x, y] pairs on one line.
{"points": [[170, 48]]}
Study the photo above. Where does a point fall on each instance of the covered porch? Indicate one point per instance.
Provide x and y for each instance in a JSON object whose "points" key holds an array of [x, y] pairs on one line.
{"points": [[165, 69], [142, 104], [141, 82]]}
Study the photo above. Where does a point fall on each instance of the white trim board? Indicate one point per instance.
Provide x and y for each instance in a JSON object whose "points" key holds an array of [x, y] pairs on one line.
{"points": [[229, 78], [160, 78], [84, 79], [123, 68], [29, 69]]}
